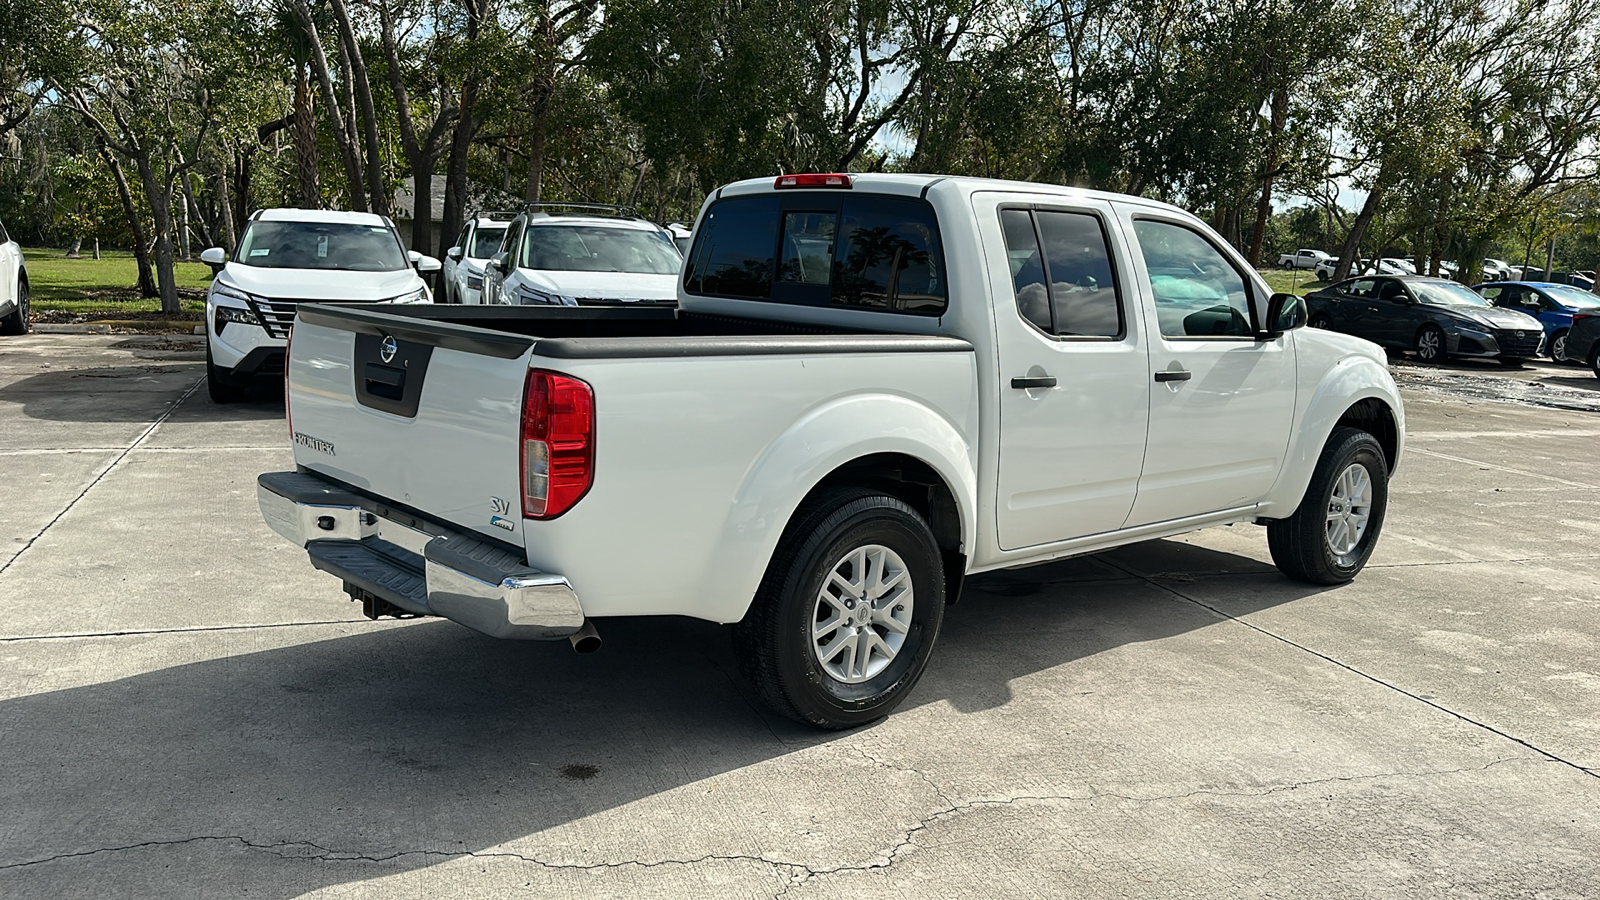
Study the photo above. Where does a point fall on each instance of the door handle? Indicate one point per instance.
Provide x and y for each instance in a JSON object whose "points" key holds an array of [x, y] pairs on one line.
{"points": [[1029, 382], [1179, 375]]}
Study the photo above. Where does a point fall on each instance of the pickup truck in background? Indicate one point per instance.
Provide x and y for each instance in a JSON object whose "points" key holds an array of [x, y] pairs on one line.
{"points": [[873, 387], [1304, 259]]}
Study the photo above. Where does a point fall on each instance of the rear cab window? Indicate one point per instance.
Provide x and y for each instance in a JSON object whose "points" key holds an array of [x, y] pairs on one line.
{"points": [[822, 249]]}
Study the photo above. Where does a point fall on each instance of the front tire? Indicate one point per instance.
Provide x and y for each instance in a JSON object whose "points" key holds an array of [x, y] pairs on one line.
{"points": [[1430, 344], [847, 615], [1322, 321], [17, 321], [1329, 537], [1594, 361], [1513, 362], [218, 383]]}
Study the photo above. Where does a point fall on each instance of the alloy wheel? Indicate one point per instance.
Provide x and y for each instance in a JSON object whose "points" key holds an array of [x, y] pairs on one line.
{"points": [[1349, 509], [863, 614]]}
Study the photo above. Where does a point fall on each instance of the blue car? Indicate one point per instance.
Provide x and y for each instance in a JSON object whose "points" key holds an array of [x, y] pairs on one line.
{"points": [[1552, 304]]}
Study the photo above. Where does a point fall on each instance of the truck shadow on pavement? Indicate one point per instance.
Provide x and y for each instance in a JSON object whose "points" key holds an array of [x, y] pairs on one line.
{"points": [[140, 393], [279, 771]]}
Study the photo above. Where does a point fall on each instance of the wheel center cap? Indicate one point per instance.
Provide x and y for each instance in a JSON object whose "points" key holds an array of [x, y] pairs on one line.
{"points": [[863, 614]]}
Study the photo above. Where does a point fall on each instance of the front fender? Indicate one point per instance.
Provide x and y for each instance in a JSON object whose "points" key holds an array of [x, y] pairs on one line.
{"points": [[828, 437], [1348, 381]]}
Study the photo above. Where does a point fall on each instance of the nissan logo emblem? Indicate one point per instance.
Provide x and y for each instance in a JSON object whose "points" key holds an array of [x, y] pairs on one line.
{"points": [[1519, 334], [390, 348]]}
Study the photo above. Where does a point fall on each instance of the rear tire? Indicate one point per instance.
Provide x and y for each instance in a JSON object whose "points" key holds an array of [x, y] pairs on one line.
{"points": [[1594, 361], [1322, 321], [1558, 346], [1329, 537], [17, 321], [1430, 344], [824, 598], [218, 385]]}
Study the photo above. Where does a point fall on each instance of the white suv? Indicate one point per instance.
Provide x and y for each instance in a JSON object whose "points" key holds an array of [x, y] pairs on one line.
{"points": [[576, 254], [291, 256], [13, 287], [463, 263]]}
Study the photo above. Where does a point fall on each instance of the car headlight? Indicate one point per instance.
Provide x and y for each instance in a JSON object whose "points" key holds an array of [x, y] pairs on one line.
{"points": [[529, 296], [231, 293], [223, 315], [420, 295]]}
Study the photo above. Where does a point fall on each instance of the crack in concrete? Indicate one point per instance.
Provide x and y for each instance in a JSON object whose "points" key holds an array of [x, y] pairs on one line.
{"points": [[1355, 671], [193, 630], [798, 873]]}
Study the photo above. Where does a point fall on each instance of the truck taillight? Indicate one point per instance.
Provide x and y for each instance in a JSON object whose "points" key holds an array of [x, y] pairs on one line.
{"points": [[557, 443]]}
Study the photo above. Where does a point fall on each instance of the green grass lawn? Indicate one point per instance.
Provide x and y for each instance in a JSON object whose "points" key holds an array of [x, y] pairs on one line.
{"points": [[108, 285], [1290, 281]]}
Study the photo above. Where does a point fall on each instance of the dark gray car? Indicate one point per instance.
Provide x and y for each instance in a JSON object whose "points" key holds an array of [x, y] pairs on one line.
{"points": [[1436, 317], [1583, 340]]}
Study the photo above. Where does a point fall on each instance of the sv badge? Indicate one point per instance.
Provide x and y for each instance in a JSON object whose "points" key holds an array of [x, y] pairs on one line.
{"points": [[499, 507]]}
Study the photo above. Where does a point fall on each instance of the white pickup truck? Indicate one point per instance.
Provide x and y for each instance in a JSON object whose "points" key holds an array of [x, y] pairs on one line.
{"points": [[1303, 259], [875, 385]]}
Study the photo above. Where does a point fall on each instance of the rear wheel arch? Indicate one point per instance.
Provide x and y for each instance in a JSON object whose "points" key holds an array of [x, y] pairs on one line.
{"points": [[918, 485]]}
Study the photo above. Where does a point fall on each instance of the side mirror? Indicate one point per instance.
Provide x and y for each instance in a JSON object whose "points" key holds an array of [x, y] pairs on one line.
{"points": [[454, 253], [501, 261], [1284, 313], [215, 257], [427, 265]]}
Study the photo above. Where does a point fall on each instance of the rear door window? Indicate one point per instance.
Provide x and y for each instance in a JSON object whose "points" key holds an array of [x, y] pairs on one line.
{"points": [[821, 248], [1066, 289]]}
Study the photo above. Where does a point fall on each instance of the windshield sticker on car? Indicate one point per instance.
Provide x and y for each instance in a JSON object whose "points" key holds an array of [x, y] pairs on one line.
{"points": [[322, 246], [255, 253]]}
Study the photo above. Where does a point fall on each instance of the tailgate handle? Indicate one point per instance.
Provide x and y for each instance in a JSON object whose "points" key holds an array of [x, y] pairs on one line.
{"points": [[387, 382]]}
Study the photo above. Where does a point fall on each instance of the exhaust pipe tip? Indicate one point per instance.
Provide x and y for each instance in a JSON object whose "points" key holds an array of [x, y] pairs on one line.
{"points": [[585, 639]]}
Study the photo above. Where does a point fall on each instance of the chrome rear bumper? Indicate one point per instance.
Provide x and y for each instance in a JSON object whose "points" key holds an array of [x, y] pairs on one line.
{"points": [[417, 565]]}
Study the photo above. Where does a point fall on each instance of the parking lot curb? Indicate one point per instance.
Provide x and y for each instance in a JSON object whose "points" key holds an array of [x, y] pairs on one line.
{"points": [[71, 329]]}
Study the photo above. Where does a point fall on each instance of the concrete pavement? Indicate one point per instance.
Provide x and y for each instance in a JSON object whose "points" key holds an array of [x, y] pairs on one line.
{"points": [[187, 709]]}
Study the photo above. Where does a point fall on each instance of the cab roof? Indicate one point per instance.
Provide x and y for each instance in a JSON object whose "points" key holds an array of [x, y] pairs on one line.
{"points": [[336, 216]]}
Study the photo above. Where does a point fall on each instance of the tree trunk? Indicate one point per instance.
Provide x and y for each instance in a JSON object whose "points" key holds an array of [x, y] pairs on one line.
{"points": [[341, 135], [376, 191], [305, 140], [183, 226], [161, 218], [241, 180], [1280, 116], [466, 127], [229, 235], [74, 252], [96, 248], [195, 214], [141, 252], [1358, 230], [455, 179]]}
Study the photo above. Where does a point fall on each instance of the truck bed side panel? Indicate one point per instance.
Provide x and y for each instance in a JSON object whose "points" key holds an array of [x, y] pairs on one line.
{"points": [[700, 462]]}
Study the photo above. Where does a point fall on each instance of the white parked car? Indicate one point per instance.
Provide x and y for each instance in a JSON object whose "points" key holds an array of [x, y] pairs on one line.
{"points": [[13, 286], [873, 387], [1303, 259], [463, 263], [681, 235], [1496, 270], [577, 254], [291, 256]]}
